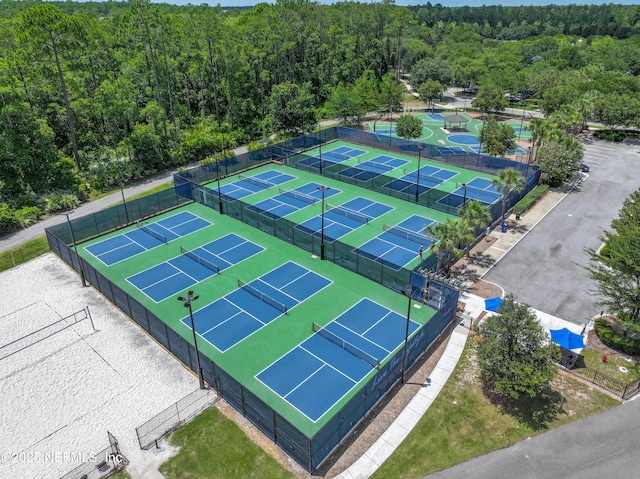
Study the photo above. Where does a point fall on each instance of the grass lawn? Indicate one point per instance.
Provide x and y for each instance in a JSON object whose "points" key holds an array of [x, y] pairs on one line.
{"points": [[120, 475], [214, 447], [463, 423], [23, 253], [593, 359]]}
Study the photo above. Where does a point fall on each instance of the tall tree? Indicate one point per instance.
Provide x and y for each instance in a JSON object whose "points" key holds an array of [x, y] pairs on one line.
{"points": [[430, 90], [508, 180], [497, 139], [46, 29], [290, 107], [615, 269], [515, 354], [409, 127], [446, 236], [490, 99]]}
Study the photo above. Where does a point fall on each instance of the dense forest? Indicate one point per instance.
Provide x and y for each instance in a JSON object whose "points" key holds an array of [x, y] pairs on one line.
{"points": [[93, 95]]}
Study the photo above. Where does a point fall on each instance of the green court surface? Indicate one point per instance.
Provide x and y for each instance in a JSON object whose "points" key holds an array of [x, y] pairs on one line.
{"points": [[253, 354], [433, 130]]}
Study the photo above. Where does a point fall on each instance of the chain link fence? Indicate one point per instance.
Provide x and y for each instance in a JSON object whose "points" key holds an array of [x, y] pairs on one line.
{"points": [[174, 416], [101, 464]]}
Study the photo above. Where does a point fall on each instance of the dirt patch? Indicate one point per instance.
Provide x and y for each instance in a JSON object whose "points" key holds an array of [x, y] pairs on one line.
{"points": [[463, 269]]}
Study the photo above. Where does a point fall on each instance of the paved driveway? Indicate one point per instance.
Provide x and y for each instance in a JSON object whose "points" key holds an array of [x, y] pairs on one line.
{"points": [[601, 446], [546, 268]]}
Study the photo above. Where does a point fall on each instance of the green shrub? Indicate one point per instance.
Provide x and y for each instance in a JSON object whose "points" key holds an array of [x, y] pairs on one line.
{"points": [[60, 201], [28, 215], [530, 199], [8, 221], [610, 135], [611, 338]]}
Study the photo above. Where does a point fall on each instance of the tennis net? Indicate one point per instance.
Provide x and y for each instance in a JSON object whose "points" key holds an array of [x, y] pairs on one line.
{"points": [[141, 225], [347, 346], [298, 196], [405, 233], [262, 296], [375, 164], [428, 179], [200, 260], [347, 213], [256, 181]]}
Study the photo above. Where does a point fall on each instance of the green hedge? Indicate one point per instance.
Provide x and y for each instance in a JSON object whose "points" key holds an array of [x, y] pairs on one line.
{"points": [[611, 338], [610, 135], [530, 199]]}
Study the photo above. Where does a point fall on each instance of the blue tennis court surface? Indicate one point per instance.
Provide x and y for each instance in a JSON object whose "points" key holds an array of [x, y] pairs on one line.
{"points": [[147, 236], [289, 201], [451, 150], [229, 320], [430, 177], [316, 374], [248, 185], [400, 244], [435, 116], [182, 272], [463, 139], [343, 219], [328, 158], [480, 189], [369, 169]]}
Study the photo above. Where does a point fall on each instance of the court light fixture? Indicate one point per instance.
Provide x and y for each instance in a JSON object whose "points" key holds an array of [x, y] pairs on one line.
{"points": [[322, 189], [187, 304]]}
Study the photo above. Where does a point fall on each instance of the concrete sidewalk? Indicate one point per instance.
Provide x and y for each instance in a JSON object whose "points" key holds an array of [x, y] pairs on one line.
{"points": [[373, 458]]}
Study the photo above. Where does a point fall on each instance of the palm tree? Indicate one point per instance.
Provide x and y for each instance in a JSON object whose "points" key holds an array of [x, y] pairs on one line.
{"points": [[446, 236], [465, 234], [508, 179], [476, 215]]}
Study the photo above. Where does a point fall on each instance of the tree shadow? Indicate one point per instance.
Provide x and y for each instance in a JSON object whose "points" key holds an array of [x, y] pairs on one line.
{"points": [[536, 413]]}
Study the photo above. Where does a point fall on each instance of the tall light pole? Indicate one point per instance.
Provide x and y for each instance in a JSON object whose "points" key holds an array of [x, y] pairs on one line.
{"points": [[75, 248], [124, 201], [322, 189], [420, 148], [187, 304], [526, 173], [406, 331], [464, 199], [522, 119], [481, 136], [218, 179]]}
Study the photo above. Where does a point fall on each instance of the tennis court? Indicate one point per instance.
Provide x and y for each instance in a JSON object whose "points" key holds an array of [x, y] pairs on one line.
{"points": [[480, 189], [429, 177], [290, 201], [316, 374], [398, 245], [328, 158], [232, 318], [369, 169], [193, 266], [450, 150], [343, 219], [146, 236], [248, 185]]}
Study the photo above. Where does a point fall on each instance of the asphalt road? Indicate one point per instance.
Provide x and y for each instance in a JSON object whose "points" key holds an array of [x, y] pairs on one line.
{"points": [[19, 237], [600, 446], [546, 268]]}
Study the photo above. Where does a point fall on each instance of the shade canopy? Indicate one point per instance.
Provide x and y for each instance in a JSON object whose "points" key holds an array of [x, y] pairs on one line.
{"points": [[493, 304], [567, 339]]}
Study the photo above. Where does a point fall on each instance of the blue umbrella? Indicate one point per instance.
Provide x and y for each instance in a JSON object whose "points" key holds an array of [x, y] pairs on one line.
{"points": [[567, 339], [493, 304]]}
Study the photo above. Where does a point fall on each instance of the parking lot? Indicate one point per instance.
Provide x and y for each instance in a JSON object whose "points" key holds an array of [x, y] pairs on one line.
{"points": [[546, 268]]}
